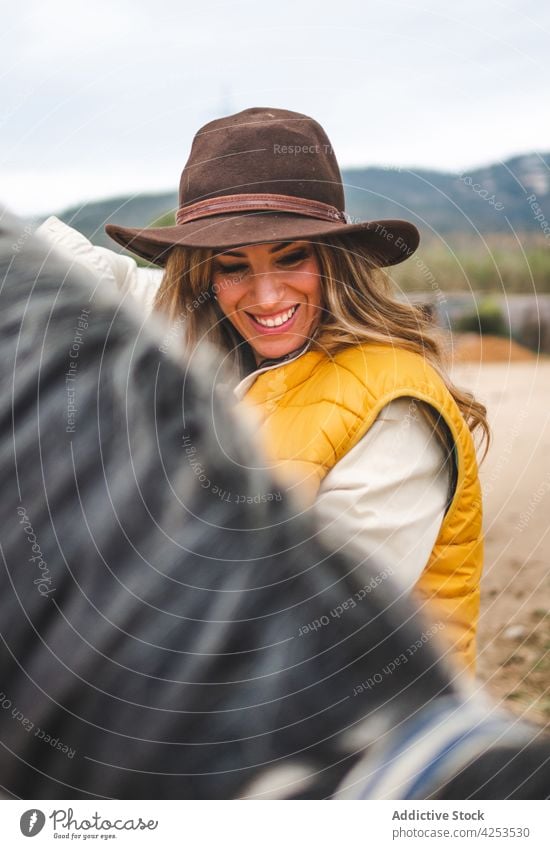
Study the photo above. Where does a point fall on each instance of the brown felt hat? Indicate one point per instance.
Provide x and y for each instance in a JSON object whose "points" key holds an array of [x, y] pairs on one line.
{"points": [[264, 175]]}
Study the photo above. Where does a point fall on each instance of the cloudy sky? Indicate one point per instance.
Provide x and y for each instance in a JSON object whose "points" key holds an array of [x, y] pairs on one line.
{"points": [[103, 98]]}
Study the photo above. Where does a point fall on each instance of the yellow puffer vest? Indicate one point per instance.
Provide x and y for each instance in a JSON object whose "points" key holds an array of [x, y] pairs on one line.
{"points": [[314, 409]]}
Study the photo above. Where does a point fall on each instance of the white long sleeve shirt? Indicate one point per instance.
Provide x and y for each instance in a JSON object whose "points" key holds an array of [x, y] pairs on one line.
{"points": [[388, 494], [139, 284], [386, 498]]}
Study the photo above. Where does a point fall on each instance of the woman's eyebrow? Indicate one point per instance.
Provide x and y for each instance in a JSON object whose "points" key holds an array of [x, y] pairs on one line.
{"points": [[279, 246]]}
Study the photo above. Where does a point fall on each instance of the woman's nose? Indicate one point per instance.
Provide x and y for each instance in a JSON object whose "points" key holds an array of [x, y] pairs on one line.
{"points": [[268, 289]]}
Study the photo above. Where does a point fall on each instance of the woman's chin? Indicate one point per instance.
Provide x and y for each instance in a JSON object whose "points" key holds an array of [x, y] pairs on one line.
{"points": [[273, 349]]}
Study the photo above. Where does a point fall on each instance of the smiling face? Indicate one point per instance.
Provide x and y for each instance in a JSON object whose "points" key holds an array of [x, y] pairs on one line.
{"points": [[271, 293]]}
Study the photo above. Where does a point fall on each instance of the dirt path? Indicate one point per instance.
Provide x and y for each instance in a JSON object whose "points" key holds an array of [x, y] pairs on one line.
{"points": [[514, 633]]}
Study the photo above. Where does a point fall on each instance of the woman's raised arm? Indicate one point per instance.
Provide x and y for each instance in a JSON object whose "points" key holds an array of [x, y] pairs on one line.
{"points": [[122, 271]]}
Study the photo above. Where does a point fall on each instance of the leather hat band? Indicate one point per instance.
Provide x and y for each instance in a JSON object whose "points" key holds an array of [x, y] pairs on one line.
{"points": [[259, 201]]}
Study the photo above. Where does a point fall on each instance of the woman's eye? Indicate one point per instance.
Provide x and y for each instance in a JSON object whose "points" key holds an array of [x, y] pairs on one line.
{"points": [[294, 257], [231, 269]]}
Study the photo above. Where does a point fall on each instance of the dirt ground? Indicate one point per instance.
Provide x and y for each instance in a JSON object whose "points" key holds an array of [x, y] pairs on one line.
{"points": [[473, 348], [514, 633]]}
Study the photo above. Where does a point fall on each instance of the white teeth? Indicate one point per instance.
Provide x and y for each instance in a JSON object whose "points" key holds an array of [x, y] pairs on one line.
{"points": [[276, 322]]}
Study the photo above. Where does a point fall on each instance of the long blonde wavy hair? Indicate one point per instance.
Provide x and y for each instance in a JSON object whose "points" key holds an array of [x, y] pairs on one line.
{"points": [[359, 305]]}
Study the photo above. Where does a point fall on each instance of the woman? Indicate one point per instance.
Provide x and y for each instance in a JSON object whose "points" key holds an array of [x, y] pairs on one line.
{"points": [[345, 380]]}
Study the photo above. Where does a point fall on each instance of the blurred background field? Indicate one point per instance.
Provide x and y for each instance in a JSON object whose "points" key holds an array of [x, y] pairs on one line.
{"points": [[516, 263]]}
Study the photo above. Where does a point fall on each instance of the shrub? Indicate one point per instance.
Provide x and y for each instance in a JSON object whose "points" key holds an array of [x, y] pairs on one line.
{"points": [[488, 319]]}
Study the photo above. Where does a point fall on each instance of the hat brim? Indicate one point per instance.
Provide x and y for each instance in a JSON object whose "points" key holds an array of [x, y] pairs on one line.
{"points": [[389, 241]]}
